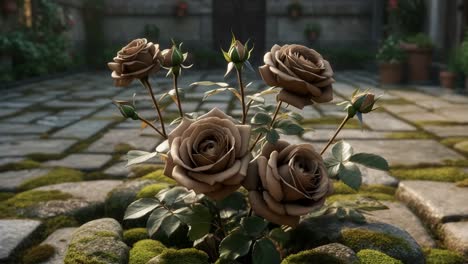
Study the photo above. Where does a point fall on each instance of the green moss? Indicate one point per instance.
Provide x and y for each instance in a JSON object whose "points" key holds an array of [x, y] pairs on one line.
{"points": [[359, 239], [21, 165], [437, 123], [57, 175], [123, 148], [453, 140], [145, 250], [61, 221], [159, 177], [409, 135], [462, 146], [441, 256], [41, 157], [446, 174], [331, 120], [38, 254], [28, 199], [353, 197], [311, 256], [5, 196], [340, 188], [463, 183], [396, 101], [75, 256], [369, 256], [456, 162], [151, 190], [133, 235], [182, 256], [144, 169]]}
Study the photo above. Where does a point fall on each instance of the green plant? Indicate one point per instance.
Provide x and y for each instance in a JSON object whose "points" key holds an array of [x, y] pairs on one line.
{"points": [[421, 40], [390, 51], [464, 55], [151, 32], [407, 17], [312, 27]]}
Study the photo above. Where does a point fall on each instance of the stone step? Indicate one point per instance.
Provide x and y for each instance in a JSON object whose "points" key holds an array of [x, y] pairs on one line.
{"points": [[59, 239], [14, 234]]}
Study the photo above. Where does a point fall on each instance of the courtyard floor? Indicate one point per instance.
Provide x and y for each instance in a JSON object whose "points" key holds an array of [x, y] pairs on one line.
{"points": [[64, 135]]}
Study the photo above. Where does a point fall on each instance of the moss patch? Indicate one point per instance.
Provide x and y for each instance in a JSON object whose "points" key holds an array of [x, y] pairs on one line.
{"points": [[331, 120], [123, 148], [342, 192], [145, 250], [463, 183], [144, 169], [5, 196], [396, 101], [462, 146], [41, 157], [28, 199], [437, 123], [445, 174], [369, 256], [61, 221], [311, 256], [409, 135], [133, 235], [21, 165], [57, 175], [354, 197], [441, 256], [182, 256], [453, 140], [457, 162], [159, 177], [38, 254], [151, 190]]}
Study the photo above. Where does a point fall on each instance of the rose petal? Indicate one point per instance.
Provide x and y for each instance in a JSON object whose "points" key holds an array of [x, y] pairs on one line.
{"points": [[267, 75], [243, 172], [269, 148], [180, 176], [113, 66], [244, 131], [273, 185], [327, 95], [179, 129], [274, 205], [217, 177], [260, 208], [298, 210], [252, 179], [223, 192], [262, 163], [168, 166], [294, 100]]}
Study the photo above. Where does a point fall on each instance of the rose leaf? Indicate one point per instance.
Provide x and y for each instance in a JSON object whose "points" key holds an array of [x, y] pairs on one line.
{"points": [[137, 156], [140, 207], [235, 201], [173, 195], [234, 245], [155, 220], [170, 224], [370, 160], [272, 136], [253, 225], [350, 174], [342, 151], [257, 99], [208, 83], [199, 222], [261, 119], [288, 127], [264, 252], [280, 236], [163, 147]]}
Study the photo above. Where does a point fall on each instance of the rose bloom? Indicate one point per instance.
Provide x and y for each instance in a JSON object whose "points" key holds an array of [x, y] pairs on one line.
{"points": [[135, 61], [302, 73], [287, 181], [209, 155]]}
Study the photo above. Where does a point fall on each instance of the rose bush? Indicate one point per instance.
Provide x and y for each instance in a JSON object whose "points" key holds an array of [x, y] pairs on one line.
{"points": [[287, 181], [209, 155], [302, 73], [135, 61]]}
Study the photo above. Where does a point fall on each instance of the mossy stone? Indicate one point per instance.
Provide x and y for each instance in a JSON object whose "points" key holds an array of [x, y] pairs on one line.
{"points": [[369, 256], [181, 256], [453, 140], [145, 250], [141, 170], [463, 183], [55, 176], [456, 162], [331, 120], [357, 196], [340, 188], [409, 135], [444, 174], [131, 236], [311, 256], [123, 148], [150, 191], [38, 254], [20, 165], [462, 146], [442, 256], [6, 195], [61, 221], [159, 177], [11, 207]]}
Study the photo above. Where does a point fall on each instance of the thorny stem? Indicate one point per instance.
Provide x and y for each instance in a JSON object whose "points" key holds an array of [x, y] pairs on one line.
{"points": [[146, 83], [179, 105], [336, 134], [278, 107], [241, 88], [152, 126]]}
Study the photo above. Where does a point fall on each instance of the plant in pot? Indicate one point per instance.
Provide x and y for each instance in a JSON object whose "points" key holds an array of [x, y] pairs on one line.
{"points": [[390, 57], [312, 32], [419, 50], [181, 9], [294, 9], [448, 75]]}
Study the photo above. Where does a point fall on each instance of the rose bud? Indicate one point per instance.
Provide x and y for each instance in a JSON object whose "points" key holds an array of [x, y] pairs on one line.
{"points": [[287, 181], [173, 57], [135, 61], [237, 52], [126, 109], [363, 102], [302, 73], [209, 155]]}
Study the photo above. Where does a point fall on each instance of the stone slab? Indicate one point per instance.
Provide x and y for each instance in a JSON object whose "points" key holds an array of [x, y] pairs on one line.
{"points": [[83, 129], [435, 202], [421, 117], [448, 131], [455, 236], [59, 239], [6, 111], [384, 121], [11, 180], [326, 134], [455, 114], [132, 137], [8, 128], [27, 117], [25, 147], [15, 232], [82, 161], [402, 108], [377, 177]]}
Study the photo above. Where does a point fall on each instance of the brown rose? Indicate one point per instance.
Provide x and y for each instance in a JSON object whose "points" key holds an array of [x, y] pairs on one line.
{"points": [[287, 181], [209, 155], [135, 61], [302, 73]]}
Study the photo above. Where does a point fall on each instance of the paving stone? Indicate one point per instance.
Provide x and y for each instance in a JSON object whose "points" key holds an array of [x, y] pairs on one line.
{"points": [[402, 108], [455, 236], [435, 202], [15, 104], [83, 129], [118, 170], [23, 129], [455, 114], [448, 131], [25, 147], [425, 116], [343, 89], [308, 112], [59, 239], [384, 121], [82, 161], [27, 117], [187, 107], [326, 134], [77, 104], [208, 106], [4, 161], [433, 103], [377, 177], [413, 95], [399, 215], [14, 233], [11, 180], [331, 110], [114, 137]]}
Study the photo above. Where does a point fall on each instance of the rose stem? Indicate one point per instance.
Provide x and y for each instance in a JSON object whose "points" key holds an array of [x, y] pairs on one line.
{"points": [[336, 134], [278, 107], [179, 105], [152, 126], [241, 88], [146, 83]]}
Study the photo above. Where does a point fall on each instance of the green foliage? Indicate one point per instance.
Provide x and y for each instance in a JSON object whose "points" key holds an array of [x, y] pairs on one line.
{"points": [[409, 135], [453, 140], [150, 191], [141, 170], [234, 245], [421, 40], [151, 32], [27, 199], [93, 15], [369, 256], [445, 174], [38, 254], [311, 256], [159, 176], [21, 165], [312, 27], [57, 175], [356, 57], [133, 235], [442, 256], [145, 250], [390, 51], [331, 120], [181, 256], [408, 17]]}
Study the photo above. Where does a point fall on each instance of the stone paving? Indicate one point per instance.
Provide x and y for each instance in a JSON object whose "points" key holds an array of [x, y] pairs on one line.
{"points": [[74, 125]]}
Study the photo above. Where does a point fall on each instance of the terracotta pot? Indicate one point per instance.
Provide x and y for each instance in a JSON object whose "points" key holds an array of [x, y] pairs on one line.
{"points": [[447, 79], [419, 63], [390, 73]]}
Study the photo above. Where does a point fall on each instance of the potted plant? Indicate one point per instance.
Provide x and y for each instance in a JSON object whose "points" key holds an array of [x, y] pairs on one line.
{"points": [[312, 32], [419, 50], [390, 57], [448, 75], [294, 10], [181, 9]]}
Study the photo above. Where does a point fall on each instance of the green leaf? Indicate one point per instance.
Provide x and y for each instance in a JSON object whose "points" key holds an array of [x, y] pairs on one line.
{"points": [[163, 147], [234, 245], [296, 116], [370, 160], [257, 99], [209, 83], [141, 207], [235, 201], [333, 166], [350, 174], [253, 225], [261, 119], [287, 127], [260, 130], [264, 252], [138, 156], [198, 218], [272, 136], [170, 224], [280, 236], [155, 220], [173, 195], [342, 151]]}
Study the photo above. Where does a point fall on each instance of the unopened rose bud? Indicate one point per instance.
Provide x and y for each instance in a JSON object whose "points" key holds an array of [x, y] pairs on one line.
{"points": [[364, 102], [237, 52], [126, 109], [172, 57]]}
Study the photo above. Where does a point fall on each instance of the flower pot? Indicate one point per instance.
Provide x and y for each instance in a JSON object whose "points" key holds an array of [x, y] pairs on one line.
{"points": [[447, 79], [390, 73], [419, 63]]}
